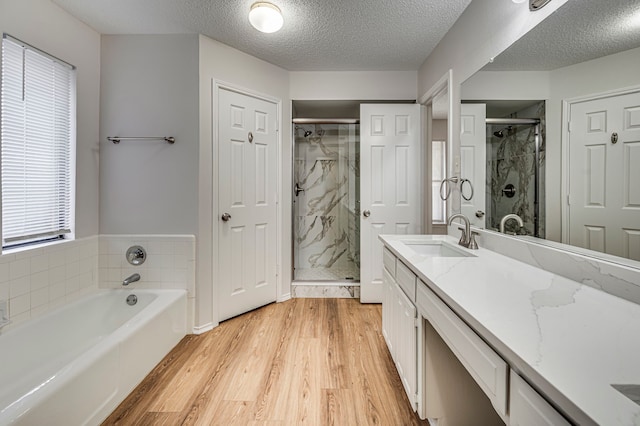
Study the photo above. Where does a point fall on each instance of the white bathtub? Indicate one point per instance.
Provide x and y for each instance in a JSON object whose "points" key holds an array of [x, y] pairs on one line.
{"points": [[74, 365]]}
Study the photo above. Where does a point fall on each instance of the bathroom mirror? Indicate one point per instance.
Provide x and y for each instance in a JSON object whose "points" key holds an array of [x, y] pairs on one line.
{"points": [[587, 51]]}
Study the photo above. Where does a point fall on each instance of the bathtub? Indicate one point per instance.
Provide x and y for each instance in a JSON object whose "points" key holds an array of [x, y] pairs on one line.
{"points": [[74, 365]]}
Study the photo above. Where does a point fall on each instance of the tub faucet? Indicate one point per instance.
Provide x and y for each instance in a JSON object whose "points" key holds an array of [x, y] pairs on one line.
{"points": [[468, 237], [507, 218], [131, 279]]}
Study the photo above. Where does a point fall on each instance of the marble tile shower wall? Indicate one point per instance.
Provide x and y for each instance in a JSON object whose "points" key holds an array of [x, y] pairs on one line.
{"points": [[325, 233], [37, 280], [511, 160]]}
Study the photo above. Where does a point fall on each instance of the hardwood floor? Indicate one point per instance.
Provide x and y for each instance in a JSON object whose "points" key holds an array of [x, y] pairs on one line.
{"points": [[304, 361]]}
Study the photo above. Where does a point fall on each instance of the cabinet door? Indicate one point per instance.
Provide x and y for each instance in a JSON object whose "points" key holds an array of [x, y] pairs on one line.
{"points": [[406, 361], [388, 307], [528, 408]]}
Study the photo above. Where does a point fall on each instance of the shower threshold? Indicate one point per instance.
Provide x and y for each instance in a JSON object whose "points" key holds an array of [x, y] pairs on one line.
{"points": [[347, 289], [347, 273]]}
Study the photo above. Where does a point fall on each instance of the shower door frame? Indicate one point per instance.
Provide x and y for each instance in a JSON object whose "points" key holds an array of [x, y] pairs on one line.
{"points": [[535, 122], [293, 180]]}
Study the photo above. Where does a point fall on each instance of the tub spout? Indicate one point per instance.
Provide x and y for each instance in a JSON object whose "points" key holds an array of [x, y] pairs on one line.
{"points": [[131, 279]]}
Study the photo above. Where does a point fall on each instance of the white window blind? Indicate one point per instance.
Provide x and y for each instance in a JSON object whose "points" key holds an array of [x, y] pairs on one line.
{"points": [[37, 141]]}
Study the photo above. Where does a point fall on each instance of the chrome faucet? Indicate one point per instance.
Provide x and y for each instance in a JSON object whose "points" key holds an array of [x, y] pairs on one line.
{"points": [[508, 217], [468, 237], [131, 279]]}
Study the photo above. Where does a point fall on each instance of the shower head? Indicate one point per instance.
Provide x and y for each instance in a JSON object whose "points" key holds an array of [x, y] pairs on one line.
{"points": [[500, 133], [307, 133]]}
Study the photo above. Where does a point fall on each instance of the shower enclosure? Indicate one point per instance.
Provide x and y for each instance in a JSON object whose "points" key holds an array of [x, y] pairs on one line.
{"points": [[515, 173], [326, 200]]}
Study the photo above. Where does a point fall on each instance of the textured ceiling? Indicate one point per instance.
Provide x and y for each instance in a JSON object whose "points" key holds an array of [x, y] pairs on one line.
{"points": [[318, 35], [579, 31]]}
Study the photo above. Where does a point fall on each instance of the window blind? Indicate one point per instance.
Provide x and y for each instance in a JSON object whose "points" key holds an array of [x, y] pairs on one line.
{"points": [[37, 142]]}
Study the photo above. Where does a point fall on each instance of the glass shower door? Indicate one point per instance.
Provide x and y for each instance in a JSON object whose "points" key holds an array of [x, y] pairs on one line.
{"points": [[326, 208]]}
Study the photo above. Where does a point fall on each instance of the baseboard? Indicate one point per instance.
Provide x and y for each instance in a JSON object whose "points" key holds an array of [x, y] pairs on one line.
{"points": [[203, 328], [283, 298]]}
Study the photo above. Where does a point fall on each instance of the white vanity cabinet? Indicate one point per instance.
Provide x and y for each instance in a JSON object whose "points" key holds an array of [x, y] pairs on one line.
{"points": [[399, 323], [528, 408], [486, 367]]}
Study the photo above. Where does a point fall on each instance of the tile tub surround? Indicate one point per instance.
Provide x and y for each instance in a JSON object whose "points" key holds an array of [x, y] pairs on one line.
{"points": [[36, 280], [170, 264], [571, 341]]}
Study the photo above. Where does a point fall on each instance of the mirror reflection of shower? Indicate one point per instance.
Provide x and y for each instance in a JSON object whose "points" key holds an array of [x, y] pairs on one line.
{"points": [[515, 172], [326, 198]]}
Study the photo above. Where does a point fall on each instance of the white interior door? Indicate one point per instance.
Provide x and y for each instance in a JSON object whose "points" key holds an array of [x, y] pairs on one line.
{"points": [[247, 128], [473, 162], [390, 187], [604, 177]]}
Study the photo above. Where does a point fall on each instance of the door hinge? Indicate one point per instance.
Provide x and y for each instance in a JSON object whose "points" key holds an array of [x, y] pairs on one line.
{"points": [[416, 322], [416, 399], [570, 126], [568, 199]]}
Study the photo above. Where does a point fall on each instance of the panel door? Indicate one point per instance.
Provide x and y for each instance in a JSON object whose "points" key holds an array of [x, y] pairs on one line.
{"points": [[391, 191], [604, 175], [473, 147], [247, 193]]}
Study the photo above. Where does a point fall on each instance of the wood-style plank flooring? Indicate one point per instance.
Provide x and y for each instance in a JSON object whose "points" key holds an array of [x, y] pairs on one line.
{"points": [[304, 361]]}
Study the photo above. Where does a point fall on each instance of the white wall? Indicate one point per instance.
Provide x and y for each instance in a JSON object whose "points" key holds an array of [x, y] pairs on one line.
{"points": [[37, 280], [353, 85], [221, 63], [507, 85], [149, 87], [46, 26]]}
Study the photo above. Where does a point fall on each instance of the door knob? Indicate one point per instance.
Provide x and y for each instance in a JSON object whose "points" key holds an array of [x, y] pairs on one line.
{"points": [[225, 217], [366, 213]]}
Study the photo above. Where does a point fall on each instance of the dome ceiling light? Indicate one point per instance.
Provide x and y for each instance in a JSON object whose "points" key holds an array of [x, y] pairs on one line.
{"points": [[265, 17]]}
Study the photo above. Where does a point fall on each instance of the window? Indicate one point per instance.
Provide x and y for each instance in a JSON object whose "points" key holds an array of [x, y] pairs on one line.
{"points": [[37, 137], [438, 171]]}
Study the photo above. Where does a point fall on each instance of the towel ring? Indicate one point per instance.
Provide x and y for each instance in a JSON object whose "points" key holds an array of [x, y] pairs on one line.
{"points": [[462, 181], [442, 184]]}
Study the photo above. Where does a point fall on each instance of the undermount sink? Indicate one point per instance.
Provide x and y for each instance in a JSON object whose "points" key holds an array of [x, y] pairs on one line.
{"points": [[436, 249]]}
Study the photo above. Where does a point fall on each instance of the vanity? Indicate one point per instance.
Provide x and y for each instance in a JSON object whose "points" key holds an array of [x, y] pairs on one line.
{"points": [[544, 349]]}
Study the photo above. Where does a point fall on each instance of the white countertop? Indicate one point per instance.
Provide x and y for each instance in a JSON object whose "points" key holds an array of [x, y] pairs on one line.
{"points": [[569, 340]]}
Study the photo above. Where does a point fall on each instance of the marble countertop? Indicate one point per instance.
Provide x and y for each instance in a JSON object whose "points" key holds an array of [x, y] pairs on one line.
{"points": [[569, 340]]}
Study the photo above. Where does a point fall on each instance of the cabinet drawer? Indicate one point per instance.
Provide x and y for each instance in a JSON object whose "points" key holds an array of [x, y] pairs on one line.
{"points": [[406, 280], [528, 408], [389, 261], [483, 364]]}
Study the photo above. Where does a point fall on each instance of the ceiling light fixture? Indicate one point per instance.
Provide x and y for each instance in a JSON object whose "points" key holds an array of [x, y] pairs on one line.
{"points": [[518, 1], [265, 17]]}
